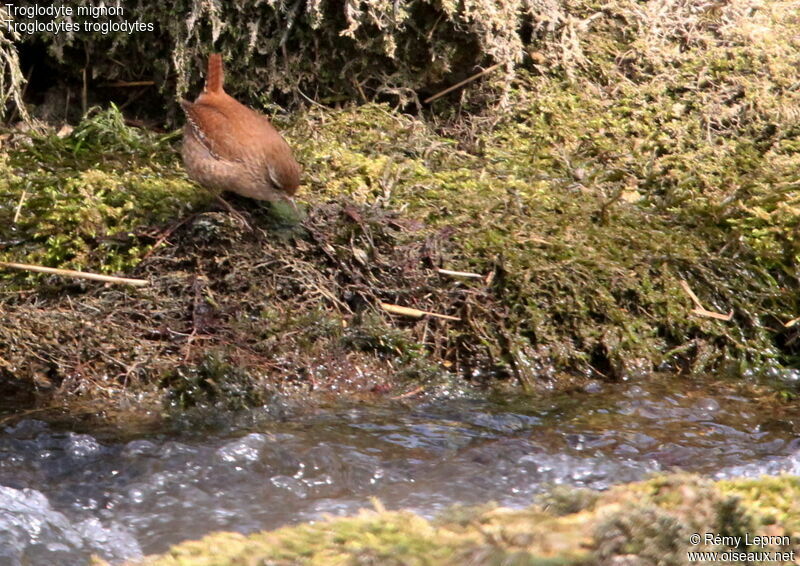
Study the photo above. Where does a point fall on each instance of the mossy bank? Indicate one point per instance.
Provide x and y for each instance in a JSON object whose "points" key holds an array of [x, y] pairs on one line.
{"points": [[640, 160], [651, 522]]}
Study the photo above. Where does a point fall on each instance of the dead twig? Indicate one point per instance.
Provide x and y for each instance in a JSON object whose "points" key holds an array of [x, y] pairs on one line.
{"points": [[76, 274], [407, 394], [127, 84], [312, 101], [699, 309], [17, 211], [167, 233], [462, 83], [791, 322], [22, 95], [460, 273], [416, 313]]}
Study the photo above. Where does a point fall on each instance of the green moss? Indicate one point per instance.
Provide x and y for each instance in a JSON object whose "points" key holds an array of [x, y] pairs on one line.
{"points": [[775, 499], [92, 200], [214, 382], [594, 199], [590, 243], [649, 522]]}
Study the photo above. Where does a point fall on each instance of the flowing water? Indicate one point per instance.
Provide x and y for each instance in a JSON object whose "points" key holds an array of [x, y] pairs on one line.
{"points": [[66, 494]]}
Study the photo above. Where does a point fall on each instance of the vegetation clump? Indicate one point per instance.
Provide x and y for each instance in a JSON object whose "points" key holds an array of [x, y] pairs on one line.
{"points": [[330, 51], [86, 198], [650, 522]]}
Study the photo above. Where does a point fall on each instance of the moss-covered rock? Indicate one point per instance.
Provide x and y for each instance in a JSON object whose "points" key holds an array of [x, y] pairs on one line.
{"points": [[651, 522]]}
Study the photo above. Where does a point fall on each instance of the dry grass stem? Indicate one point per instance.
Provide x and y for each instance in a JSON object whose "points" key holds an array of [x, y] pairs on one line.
{"points": [[460, 273], [416, 313], [128, 84], [462, 83], [792, 322], [700, 310], [76, 274], [17, 211]]}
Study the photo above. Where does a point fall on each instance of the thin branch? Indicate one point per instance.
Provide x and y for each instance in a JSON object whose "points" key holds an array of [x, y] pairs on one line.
{"points": [[167, 233], [407, 394], [18, 210], [700, 309], [691, 294], [127, 84], [76, 274], [416, 313], [311, 100], [462, 83], [791, 322], [460, 273]]}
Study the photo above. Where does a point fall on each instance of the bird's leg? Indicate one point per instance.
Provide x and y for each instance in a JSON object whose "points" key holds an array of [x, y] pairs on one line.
{"points": [[235, 213]]}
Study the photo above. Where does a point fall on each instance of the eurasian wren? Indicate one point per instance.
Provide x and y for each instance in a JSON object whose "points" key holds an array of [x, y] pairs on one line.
{"points": [[229, 147]]}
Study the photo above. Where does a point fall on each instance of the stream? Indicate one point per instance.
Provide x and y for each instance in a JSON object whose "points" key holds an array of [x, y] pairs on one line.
{"points": [[66, 493]]}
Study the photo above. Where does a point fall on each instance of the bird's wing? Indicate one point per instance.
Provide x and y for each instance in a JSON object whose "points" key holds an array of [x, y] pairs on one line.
{"points": [[212, 129]]}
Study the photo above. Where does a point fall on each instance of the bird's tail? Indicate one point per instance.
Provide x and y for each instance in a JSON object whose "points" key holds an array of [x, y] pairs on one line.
{"points": [[215, 76]]}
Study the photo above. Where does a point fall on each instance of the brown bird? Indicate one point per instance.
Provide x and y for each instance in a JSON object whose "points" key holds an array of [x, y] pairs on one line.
{"points": [[229, 147]]}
